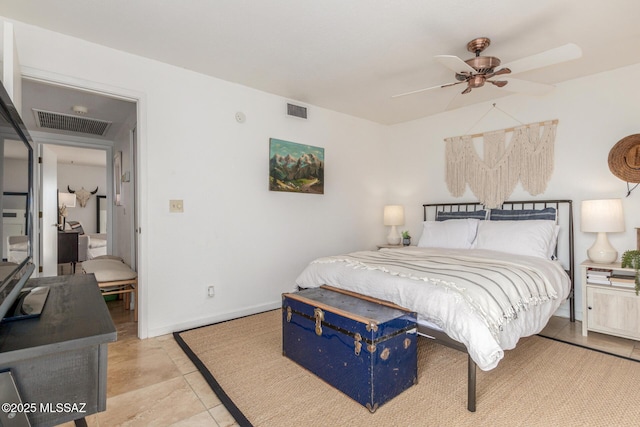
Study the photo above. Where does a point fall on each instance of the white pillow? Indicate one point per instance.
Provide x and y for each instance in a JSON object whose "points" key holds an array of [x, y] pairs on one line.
{"points": [[97, 243], [453, 234], [533, 238], [19, 246]]}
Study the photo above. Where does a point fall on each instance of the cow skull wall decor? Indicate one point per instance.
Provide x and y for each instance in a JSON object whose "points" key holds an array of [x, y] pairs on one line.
{"points": [[82, 195]]}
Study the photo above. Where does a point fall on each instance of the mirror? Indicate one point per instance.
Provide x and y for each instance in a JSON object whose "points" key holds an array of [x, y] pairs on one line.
{"points": [[14, 224], [16, 202], [101, 218]]}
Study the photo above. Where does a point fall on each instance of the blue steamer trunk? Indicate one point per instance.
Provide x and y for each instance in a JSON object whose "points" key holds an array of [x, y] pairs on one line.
{"points": [[363, 348]]}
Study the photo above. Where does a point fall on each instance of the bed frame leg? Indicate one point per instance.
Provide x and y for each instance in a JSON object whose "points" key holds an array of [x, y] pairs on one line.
{"points": [[471, 386]]}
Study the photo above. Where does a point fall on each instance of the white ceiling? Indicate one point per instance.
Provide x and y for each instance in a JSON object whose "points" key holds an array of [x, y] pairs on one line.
{"points": [[62, 100], [350, 56], [79, 156]]}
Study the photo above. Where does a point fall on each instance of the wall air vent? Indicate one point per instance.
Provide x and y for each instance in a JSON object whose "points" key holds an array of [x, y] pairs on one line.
{"points": [[70, 122], [297, 111]]}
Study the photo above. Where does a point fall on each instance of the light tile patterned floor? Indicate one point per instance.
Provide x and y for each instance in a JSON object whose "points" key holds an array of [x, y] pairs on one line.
{"points": [[562, 329], [152, 382]]}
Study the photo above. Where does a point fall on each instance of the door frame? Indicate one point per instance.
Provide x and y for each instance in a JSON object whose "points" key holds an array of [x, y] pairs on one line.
{"points": [[44, 138], [139, 165], [44, 177]]}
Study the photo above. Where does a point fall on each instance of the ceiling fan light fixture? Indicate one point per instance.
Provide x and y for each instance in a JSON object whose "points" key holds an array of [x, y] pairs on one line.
{"points": [[476, 81], [480, 69], [483, 64]]}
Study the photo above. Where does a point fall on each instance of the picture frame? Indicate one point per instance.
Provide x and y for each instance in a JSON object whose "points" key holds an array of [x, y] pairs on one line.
{"points": [[295, 168]]}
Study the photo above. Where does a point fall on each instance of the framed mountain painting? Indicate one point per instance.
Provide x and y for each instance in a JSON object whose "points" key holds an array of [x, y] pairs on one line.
{"points": [[295, 168]]}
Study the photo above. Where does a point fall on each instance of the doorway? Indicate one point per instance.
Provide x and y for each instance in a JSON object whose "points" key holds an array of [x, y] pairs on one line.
{"points": [[44, 96], [65, 170]]}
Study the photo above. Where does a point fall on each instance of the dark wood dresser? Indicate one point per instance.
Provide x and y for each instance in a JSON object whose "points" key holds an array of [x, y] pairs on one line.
{"points": [[59, 360], [68, 248]]}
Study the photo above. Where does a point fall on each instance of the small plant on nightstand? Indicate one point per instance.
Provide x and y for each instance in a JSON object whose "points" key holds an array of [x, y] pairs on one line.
{"points": [[406, 238], [631, 259]]}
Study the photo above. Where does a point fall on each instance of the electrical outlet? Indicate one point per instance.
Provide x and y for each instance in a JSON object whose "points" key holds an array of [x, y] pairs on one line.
{"points": [[176, 206], [211, 291]]}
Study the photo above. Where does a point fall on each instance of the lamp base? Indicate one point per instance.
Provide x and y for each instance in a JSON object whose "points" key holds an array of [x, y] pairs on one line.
{"points": [[602, 252], [393, 238]]}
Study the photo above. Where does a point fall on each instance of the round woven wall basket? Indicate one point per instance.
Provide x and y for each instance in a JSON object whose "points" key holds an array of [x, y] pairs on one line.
{"points": [[624, 159]]}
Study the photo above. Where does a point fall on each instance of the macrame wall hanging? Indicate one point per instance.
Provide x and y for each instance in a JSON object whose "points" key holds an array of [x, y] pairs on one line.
{"points": [[527, 158]]}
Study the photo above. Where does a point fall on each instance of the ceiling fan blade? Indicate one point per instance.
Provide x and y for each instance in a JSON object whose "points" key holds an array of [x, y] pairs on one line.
{"points": [[425, 89], [453, 84], [554, 56], [454, 63], [525, 86], [499, 83], [500, 72], [467, 90]]}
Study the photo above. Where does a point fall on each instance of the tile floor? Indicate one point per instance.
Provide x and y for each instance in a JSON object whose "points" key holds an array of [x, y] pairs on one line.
{"points": [[152, 382], [562, 329]]}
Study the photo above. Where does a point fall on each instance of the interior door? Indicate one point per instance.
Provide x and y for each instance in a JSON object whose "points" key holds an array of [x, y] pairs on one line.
{"points": [[49, 206], [134, 198], [11, 76]]}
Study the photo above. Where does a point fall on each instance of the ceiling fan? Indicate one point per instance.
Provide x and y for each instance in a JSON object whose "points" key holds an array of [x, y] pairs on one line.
{"points": [[477, 71]]}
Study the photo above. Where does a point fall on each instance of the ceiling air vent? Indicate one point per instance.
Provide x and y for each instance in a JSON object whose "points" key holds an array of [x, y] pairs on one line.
{"points": [[297, 111], [70, 122]]}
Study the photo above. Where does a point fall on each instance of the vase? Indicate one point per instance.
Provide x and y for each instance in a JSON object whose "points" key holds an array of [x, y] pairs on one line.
{"points": [[406, 242]]}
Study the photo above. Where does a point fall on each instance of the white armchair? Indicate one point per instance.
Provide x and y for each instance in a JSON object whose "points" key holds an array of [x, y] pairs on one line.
{"points": [[17, 248]]}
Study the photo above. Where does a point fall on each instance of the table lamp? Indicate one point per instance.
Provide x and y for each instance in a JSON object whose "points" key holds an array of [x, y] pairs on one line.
{"points": [[393, 215], [602, 217], [65, 200]]}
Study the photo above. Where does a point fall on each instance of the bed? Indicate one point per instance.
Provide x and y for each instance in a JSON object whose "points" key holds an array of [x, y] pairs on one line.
{"points": [[469, 293], [96, 245]]}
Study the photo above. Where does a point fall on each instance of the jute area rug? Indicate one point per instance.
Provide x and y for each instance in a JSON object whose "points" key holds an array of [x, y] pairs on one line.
{"points": [[540, 383]]}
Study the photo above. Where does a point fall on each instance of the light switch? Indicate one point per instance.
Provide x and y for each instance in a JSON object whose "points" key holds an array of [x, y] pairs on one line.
{"points": [[176, 206]]}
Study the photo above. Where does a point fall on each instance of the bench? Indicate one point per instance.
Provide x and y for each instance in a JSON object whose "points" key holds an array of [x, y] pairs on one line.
{"points": [[114, 277]]}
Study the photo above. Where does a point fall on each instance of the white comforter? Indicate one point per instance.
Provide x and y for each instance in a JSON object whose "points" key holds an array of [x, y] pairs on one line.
{"points": [[484, 324]]}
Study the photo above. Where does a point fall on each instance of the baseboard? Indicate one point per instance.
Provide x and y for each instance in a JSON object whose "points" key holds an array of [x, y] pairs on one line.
{"points": [[563, 311], [219, 317]]}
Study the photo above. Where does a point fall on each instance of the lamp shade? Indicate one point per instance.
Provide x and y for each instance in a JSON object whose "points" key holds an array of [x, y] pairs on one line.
{"points": [[67, 200], [602, 216], [393, 215]]}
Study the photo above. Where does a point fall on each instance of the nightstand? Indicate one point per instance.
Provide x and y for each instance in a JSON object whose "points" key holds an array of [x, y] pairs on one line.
{"points": [[609, 309], [387, 246]]}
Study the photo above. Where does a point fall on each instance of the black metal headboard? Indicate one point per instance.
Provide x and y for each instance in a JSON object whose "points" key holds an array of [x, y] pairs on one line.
{"points": [[564, 218]]}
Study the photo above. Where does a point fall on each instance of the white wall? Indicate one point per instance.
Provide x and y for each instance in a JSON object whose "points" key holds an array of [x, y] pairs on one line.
{"points": [[235, 234], [123, 225], [593, 112], [15, 175], [89, 177]]}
